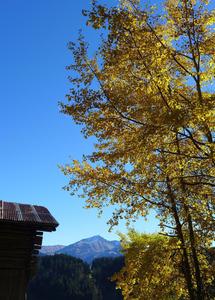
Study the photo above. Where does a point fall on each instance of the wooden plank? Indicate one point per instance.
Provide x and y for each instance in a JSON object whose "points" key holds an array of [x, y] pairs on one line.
{"points": [[11, 288], [37, 247], [38, 240], [20, 243]]}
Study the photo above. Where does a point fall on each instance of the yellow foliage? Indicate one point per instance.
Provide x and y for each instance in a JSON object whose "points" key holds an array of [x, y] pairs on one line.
{"points": [[152, 268], [147, 97]]}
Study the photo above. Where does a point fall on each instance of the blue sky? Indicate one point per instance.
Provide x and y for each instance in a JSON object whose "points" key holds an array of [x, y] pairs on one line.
{"points": [[34, 136]]}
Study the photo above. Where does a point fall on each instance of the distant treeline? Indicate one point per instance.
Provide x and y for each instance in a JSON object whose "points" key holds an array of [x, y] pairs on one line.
{"points": [[62, 277]]}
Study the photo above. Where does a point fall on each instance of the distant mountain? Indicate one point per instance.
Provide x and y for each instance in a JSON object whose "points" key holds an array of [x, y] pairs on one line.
{"points": [[50, 250], [87, 249]]}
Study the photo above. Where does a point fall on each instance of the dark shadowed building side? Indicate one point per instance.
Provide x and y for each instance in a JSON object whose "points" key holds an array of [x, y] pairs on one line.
{"points": [[21, 231]]}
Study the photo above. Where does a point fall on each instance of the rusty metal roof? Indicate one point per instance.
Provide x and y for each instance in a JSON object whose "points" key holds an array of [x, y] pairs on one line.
{"points": [[37, 216]]}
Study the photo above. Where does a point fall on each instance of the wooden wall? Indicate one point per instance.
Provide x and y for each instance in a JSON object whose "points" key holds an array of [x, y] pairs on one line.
{"points": [[19, 246]]}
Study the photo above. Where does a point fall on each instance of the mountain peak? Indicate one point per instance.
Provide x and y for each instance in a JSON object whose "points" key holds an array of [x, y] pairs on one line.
{"points": [[94, 238], [90, 248]]}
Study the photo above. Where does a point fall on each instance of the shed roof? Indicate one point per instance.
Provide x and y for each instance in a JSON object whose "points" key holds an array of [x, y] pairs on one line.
{"points": [[24, 214]]}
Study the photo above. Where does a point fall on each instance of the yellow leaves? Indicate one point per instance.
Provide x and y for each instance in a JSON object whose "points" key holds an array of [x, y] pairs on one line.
{"points": [[145, 98], [210, 20], [129, 4], [151, 262], [172, 3]]}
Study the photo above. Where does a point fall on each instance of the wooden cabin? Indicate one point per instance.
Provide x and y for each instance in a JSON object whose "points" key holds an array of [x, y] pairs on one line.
{"points": [[21, 232]]}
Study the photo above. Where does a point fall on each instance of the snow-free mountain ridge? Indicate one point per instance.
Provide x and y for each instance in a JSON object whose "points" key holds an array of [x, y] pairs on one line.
{"points": [[87, 249]]}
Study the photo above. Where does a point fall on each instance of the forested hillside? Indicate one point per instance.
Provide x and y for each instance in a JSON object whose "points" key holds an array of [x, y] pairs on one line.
{"points": [[102, 270], [64, 277]]}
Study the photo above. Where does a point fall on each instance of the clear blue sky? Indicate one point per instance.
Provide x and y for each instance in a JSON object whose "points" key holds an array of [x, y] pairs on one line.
{"points": [[34, 136]]}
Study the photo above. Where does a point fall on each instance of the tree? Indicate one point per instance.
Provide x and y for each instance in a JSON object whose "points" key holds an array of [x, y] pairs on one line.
{"points": [[152, 268], [103, 269], [147, 96], [62, 277]]}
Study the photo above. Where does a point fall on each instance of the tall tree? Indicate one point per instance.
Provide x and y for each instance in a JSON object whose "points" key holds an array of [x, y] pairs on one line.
{"points": [[147, 96], [152, 268]]}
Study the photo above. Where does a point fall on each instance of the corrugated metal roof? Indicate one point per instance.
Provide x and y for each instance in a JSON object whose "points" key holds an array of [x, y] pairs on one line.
{"points": [[39, 216]]}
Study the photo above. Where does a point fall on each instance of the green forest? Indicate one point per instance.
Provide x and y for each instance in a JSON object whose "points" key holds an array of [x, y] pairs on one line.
{"points": [[64, 277]]}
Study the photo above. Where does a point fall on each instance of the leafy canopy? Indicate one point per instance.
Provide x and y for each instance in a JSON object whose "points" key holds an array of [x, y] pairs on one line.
{"points": [[147, 96], [144, 97], [152, 268]]}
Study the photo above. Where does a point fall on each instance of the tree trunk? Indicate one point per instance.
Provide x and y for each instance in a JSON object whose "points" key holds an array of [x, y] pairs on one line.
{"points": [[200, 286], [185, 261]]}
